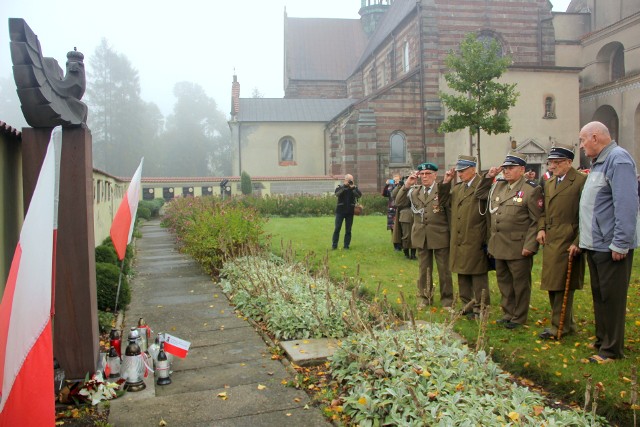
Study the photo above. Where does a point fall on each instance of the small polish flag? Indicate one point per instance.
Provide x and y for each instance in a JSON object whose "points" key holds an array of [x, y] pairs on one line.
{"points": [[125, 218], [176, 346]]}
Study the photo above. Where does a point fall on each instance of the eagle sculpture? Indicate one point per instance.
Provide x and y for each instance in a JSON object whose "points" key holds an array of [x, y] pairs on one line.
{"points": [[49, 97]]}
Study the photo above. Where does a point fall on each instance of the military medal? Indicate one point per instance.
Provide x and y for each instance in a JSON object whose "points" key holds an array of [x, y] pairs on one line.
{"points": [[519, 196]]}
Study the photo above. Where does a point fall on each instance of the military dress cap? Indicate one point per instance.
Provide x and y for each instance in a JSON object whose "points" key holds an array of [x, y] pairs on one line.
{"points": [[561, 151], [465, 162], [428, 167], [514, 158]]}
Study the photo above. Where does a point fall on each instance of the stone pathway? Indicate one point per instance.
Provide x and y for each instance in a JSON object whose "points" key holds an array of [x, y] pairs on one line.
{"points": [[227, 355]]}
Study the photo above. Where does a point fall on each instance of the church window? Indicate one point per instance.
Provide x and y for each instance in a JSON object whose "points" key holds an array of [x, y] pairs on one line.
{"points": [[286, 150], [549, 108], [487, 38], [617, 63], [398, 145], [405, 57]]}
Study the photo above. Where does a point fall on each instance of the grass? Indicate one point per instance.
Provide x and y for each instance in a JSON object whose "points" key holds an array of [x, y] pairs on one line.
{"points": [[556, 366]]}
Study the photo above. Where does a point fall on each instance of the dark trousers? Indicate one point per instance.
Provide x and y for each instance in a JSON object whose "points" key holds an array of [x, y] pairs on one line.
{"points": [[470, 287], [609, 286], [514, 281], [348, 222]]}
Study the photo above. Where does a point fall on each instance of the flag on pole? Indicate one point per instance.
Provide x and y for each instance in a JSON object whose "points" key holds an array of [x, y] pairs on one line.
{"points": [[125, 219], [176, 346], [26, 346]]}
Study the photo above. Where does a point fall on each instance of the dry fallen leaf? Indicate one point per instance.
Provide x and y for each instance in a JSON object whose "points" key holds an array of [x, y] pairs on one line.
{"points": [[261, 387], [162, 422], [223, 395]]}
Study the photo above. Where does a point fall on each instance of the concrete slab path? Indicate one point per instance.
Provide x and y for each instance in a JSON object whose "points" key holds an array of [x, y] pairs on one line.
{"points": [[227, 355]]}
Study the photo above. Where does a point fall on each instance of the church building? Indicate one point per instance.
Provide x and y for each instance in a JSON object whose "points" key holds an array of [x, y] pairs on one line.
{"points": [[362, 95]]}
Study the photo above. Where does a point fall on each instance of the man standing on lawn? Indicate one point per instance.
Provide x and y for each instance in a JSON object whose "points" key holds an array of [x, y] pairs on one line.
{"points": [[608, 218], [429, 233], [468, 234], [515, 205], [558, 232], [348, 195]]}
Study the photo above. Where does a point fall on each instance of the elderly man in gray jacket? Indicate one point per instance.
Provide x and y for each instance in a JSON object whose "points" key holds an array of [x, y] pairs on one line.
{"points": [[608, 218]]}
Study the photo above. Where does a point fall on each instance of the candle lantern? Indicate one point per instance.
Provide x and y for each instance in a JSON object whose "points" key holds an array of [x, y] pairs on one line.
{"points": [[144, 332], [162, 367], [115, 340], [133, 364], [113, 361]]}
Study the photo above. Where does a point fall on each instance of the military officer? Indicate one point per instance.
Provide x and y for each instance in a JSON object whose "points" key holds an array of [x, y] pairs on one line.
{"points": [[515, 205], [468, 233], [558, 231], [405, 221], [429, 233]]}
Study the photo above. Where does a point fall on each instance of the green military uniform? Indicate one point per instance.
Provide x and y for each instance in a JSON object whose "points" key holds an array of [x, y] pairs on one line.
{"points": [[405, 220], [468, 236], [515, 210], [560, 221], [430, 235]]}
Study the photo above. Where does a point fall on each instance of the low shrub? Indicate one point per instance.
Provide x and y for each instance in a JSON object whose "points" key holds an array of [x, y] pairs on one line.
{"points": [[107, 276], [128, 256], [143, 212], [426, 377], [106, 253], [212, 231], [153, 206], [293, 304], [105, 321]]}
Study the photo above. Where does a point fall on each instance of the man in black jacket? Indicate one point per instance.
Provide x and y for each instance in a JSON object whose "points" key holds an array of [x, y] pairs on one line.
{"points": [[347, 195]]}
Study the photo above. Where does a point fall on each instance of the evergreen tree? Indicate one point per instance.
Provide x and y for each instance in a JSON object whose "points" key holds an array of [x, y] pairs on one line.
{"points": [[481, 103], [245, 184], [123, 125], [197, 139]]}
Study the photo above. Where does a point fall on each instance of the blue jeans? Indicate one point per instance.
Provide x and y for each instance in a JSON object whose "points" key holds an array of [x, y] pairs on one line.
{"points": [[348, 220]]}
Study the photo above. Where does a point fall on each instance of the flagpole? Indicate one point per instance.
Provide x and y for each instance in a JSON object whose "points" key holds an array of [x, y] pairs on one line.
{"points": [[115, 310]]}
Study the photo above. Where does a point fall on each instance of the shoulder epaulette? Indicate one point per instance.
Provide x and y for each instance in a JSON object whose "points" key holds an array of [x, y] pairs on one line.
{"points": [[532, 183]]}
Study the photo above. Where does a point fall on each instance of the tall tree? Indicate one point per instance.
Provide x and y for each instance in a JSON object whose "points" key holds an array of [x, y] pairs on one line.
{"points": [[197, 138], [122, 123], [481, 102]]}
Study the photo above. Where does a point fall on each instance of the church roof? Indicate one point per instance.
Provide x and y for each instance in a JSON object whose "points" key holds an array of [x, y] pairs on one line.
{"points": [[397, 12], [290, 109], [322, 48]]}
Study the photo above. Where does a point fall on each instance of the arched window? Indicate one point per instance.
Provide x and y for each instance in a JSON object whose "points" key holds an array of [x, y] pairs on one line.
{"points": [[549, 107], [489, 37], [286, 150], [617, 63], [398, 148]]}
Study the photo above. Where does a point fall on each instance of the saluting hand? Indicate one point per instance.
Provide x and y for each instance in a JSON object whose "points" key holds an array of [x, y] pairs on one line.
{"points": [[411, 180], [448, 175], [494, 171]]}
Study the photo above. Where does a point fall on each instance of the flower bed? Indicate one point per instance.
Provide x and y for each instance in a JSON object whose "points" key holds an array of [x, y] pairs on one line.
{"points": [[292, 304]]}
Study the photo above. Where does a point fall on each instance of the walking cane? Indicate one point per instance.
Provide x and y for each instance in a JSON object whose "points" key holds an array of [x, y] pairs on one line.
{"points": [[563, 312]]}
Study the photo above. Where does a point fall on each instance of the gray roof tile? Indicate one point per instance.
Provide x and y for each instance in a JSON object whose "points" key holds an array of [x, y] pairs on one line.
{"points": [[290, 110]]}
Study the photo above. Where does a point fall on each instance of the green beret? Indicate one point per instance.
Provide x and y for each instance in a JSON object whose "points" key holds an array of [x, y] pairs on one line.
{"points": [[427, 167]]}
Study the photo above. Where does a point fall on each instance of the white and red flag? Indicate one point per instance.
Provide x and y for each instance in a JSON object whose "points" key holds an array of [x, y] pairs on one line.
{"points": [[176, 346], [26, 347], [125, 219]]}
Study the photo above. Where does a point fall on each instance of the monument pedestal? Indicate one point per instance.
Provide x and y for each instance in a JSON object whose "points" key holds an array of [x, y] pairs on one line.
{"points": [[75, 323]]}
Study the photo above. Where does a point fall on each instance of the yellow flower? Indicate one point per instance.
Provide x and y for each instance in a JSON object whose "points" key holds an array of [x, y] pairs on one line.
{"points": [[514, 416], [362, 400]]}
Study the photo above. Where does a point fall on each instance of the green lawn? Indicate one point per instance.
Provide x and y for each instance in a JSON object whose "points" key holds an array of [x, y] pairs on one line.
{"points": [[556, 366]]}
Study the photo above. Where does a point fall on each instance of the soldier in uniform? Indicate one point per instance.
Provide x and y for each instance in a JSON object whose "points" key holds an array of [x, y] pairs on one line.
{"points": [[429, 233], [515, 205], [558, 231], [468, 233], [405, 221]]}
